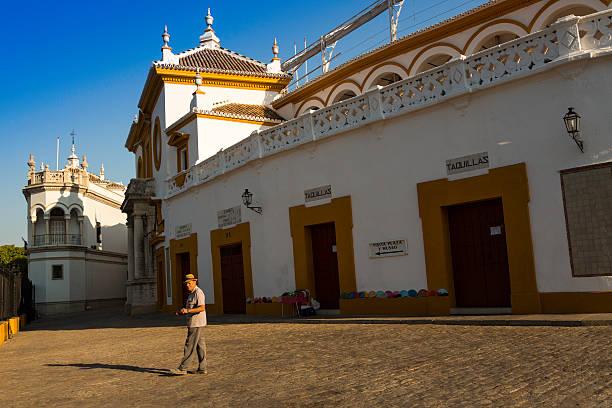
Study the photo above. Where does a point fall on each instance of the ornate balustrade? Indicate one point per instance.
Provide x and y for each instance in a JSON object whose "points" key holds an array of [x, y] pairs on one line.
{"points": [[561, 42]]}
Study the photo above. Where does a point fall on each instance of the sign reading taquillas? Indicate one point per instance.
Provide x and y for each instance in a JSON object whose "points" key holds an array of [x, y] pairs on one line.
{"points": [[318, 193], [467, 163]]}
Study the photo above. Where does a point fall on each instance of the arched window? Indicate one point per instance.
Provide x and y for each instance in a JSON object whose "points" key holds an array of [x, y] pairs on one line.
{"points": [[57, 227], [386, 79], [433, 62], [344, 95], [575, 10], [495, 39]]}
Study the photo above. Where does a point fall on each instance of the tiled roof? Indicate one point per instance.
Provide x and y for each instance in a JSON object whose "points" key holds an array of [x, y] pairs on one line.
{"points": [[257, 112], [220, 60]]}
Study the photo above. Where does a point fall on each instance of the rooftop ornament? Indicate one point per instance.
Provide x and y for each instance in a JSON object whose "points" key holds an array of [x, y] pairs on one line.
{"points": [[572, 124], [209, 39]]}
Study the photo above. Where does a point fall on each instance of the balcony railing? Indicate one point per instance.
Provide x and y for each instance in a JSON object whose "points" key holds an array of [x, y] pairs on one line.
{"points": [[57, 239], [562, 42]]}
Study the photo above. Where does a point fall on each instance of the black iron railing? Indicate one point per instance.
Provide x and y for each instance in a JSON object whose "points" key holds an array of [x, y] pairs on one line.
{"points": [[57, 239]]}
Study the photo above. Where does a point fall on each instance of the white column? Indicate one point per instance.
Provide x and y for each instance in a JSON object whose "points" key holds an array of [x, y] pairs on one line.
{"points": [[81, 240], [130, 244], [67, 229], [138, 247], [47, 238], [33, 227]]}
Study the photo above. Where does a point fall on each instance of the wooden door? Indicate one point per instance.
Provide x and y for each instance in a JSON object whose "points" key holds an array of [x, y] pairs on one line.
{"points": [[232, 279], [325, 265], [185, 268], [480, 258], [159, 266]]}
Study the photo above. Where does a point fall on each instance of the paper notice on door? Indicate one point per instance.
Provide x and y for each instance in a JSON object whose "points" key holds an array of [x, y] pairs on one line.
{"points": [[496, 230]]}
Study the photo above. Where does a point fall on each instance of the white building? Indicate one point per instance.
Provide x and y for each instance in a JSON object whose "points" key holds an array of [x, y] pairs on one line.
{"points": [[77, 237], [437, 161]]}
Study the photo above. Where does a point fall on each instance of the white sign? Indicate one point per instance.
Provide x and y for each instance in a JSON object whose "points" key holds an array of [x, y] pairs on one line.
{"points": [[394, 247], [495, 230], [467, 163], [182, 231], [229, 216], [319, 193]]}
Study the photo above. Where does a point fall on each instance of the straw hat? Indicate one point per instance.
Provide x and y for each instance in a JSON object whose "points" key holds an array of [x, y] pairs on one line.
{"points": [[189, 277]]}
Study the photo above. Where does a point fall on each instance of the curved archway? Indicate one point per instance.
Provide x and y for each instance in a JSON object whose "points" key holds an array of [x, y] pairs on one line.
{"points": [[344, 88], [433, 62], [344, 95], [577, 10], [554, 10], [57, 206], [385, 69], [431, 51], [76, 208], [495, 39], [490, 34], [312, 103]]}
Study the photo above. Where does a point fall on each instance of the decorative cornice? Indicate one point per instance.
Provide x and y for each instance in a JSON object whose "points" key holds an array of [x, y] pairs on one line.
{"points": [[224, 79]]}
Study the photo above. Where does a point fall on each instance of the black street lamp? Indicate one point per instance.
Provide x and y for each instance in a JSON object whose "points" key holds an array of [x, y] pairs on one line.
{"points": [[247, 199], [572, 124]]}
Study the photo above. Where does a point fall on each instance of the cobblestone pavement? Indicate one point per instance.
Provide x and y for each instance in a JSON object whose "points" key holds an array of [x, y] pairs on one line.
{"points": [[100, 359]]}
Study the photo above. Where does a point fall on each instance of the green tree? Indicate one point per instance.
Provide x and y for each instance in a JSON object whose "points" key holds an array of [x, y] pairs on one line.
{"points": [[12, 255]]}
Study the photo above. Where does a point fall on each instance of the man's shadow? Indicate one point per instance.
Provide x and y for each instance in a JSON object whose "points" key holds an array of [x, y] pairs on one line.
{"points": [[160, 371]]}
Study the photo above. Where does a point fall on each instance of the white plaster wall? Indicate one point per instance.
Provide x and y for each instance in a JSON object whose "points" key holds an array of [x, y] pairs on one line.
{"points": [[106, 276], [113, 222], [177, 98], [379, 165], [214, 135]]}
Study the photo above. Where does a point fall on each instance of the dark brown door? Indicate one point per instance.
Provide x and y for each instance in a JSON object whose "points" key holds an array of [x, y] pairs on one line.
{"points": [[232, 278], [480, 258], [185, 265], [325, 265]]}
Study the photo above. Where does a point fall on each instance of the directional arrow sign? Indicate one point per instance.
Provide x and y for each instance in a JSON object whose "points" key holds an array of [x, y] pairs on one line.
{"points": [[393, 247]]}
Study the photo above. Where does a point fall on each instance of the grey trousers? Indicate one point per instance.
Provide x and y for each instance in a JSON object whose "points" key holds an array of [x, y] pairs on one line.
{"points": [[194, 344]]}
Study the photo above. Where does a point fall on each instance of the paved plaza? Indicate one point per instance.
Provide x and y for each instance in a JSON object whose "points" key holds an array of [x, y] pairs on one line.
{"points": [[107, 359]]}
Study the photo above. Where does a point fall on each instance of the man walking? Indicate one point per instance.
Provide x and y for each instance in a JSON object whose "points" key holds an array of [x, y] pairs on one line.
{"points": [[195, 310]]}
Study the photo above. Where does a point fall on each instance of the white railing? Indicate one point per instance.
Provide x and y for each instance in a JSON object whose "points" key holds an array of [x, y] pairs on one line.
{"points": [[523, 56]]}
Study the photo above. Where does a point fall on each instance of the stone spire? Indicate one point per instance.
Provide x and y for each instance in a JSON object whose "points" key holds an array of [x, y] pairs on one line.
{"points": [[275, 65], [102, 172], [32, 163], [199, 100], [167, 55], [84, 164], [209, 39], [73, 159]]}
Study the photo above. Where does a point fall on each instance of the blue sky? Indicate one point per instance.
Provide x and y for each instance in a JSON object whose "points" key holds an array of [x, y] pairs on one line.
{"points": [[82, 65]]}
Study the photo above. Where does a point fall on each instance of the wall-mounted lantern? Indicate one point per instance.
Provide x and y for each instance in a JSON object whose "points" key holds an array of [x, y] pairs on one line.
{"points": [[247, 200], [572, 124]]}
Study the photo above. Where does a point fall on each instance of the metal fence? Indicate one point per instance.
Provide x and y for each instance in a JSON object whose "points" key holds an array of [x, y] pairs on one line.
{"points": [[16, 293], [56, 239]]}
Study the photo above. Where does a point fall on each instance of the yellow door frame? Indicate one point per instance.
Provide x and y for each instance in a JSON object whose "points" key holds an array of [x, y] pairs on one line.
{"points": [[239, 234], [180, 246], [511, 184], [339, 211]]}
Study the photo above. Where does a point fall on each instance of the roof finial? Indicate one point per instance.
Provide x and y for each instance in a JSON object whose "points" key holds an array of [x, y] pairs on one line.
{"points": [[209, 39], [102, 172], [166, 36], [198, 79], [209, 19], [275, 49], [73, 159]]}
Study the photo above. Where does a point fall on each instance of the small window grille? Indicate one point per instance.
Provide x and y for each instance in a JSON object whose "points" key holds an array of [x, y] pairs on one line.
{"points": [[57, 272]]}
